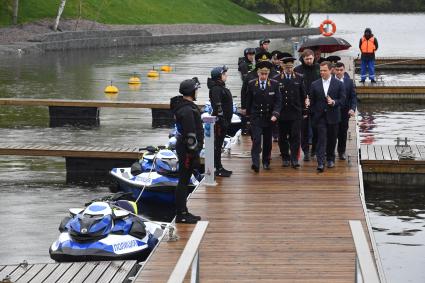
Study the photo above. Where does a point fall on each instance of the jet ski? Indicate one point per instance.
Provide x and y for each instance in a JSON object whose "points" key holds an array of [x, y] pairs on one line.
{"points": [[236, 123], [105, 231], [158, 184]]}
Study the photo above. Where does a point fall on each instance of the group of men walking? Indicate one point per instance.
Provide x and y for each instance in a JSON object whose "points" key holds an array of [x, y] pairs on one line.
{"points": [[307, 107]]}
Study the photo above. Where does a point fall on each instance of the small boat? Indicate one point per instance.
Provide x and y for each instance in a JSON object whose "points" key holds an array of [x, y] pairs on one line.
{"points": [[105, 231], [156, 184]]}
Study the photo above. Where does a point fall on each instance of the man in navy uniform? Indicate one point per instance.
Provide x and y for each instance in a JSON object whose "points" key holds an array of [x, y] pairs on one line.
{"points": [[326, 97], [348, 109], [294, 101], [263, 107]]}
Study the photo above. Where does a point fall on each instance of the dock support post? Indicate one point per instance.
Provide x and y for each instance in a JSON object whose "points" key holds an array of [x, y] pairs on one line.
{"points": [[74, 116], [209, 122], [162, 118]]}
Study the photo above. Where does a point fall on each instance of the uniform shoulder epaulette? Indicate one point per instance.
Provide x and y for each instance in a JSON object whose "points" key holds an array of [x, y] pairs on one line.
{"points": [[253, 80], [274, 81]]}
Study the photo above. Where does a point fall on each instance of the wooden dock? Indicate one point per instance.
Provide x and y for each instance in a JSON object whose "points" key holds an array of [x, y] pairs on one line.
{"points": [[384, 167], [75, 272], [282, 225], [396, 90], [86, 112], [397, 63]]}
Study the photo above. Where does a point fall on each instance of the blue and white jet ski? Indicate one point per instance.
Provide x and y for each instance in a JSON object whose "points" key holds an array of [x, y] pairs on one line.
{"points": [[158, 184], [105, 231]]}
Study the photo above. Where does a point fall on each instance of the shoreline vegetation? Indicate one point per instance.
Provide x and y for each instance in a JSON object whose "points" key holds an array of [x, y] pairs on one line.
{"points": [[128, 12]]}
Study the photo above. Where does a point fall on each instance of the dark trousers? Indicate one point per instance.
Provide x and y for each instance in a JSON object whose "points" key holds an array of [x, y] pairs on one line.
{"points": [[342, 131], [305, 134], [256, 133], [219, 135], [289, 139], [187, 162], [313, 140], [326, 141]]}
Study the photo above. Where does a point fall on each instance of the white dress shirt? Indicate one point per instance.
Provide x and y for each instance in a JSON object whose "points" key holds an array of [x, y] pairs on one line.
{"points": [[326, 84]]}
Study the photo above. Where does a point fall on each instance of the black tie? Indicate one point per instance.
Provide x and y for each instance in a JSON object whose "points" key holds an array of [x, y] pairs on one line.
{"points": [[263, 87]]}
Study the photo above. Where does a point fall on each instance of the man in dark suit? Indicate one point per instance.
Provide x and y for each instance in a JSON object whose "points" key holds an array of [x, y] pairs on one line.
{"points": [[348, 109], [326, 97]]}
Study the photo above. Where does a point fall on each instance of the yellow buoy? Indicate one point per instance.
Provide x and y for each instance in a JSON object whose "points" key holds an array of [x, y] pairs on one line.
{"points": [[134, 81], [166, 68], [111, 89], [153, 74]]}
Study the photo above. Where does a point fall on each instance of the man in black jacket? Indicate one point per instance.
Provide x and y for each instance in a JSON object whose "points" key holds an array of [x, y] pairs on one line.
{"points": [[294, 101], [263, 46], [309, 71], [263, 108], [326, 97], [190, 140], [246, 63], [348, 109], [222, 104]]}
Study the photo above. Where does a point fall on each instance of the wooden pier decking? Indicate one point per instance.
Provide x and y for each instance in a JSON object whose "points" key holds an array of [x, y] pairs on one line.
{"points": [[391, 90], [397, 63], [282, 225], [76, 272], [383, 166]]}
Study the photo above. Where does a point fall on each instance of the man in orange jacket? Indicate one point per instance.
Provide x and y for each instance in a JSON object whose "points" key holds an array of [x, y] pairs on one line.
{"points": [[368, 45]]}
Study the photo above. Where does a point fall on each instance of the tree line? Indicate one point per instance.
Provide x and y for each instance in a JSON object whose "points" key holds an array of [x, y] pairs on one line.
{"points": [[336, 6]]}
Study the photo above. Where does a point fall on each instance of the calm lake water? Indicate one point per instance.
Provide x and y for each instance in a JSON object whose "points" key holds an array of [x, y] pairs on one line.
{"points": [[34, 196]]}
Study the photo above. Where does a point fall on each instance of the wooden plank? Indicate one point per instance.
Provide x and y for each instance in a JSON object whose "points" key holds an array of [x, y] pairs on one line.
{"points": [[371, 152], [45, 272], [58, 272], [416, 152], [7, 270], [421, 149], [85, 271], [110, 272], [128, 268], [378, 152], [15, 275], [31, 273], [75, 268], [364, 152], [393, 151], [386, 152], [97, 272]]}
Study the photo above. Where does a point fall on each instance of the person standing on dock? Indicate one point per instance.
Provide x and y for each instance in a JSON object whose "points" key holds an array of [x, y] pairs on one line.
{"points": [[309, 71], [222, 104], [246, 63], [348, 109], [263, 107], [294, 100], [368, 45], [263, 47], [190, 140], [326, 97]]}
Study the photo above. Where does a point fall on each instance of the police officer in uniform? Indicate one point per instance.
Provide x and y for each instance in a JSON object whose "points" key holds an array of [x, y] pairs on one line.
{"points": [[294, 101], [190, 140], [263, 107], [222, 104]]}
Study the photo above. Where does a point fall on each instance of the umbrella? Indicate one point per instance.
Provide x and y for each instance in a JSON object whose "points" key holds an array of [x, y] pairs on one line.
{"points": [[326, 44]]}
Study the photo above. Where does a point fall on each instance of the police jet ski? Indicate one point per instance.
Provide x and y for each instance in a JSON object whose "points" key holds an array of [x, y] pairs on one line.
{"points": [[235, 124], [105, 231], [156, 184]]}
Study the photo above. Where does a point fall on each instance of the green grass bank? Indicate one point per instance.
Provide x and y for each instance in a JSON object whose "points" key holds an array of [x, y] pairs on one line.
{"points": [[135, 11]]}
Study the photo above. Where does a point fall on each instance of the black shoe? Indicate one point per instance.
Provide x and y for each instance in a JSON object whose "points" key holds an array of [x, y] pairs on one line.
{"points": [[342, 156], [373, 81], [255, 168], [306, 156], [266, 166], [187, 217], [275, 139], [295, 164], [320, 168], [331, 164], [285, 163], [223, 172]]}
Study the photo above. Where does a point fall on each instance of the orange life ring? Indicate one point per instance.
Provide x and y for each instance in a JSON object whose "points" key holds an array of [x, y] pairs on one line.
{"points": [[322, 28]]}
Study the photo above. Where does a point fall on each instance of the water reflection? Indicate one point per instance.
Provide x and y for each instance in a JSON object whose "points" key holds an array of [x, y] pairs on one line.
{"points": [[398, 220]]}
